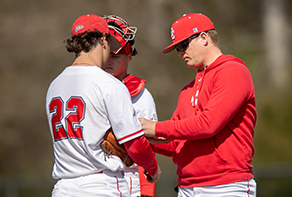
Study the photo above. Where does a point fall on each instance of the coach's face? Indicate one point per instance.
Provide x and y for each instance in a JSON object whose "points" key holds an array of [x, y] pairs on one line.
{"points": [[194, 55], [118, 65]]}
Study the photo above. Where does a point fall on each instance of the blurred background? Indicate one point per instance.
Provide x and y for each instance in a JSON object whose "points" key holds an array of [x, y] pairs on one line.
{"points": [[32, 54]]}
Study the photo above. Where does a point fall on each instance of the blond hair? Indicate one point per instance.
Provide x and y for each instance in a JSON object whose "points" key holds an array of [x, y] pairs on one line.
{"points": [[214, 37]]}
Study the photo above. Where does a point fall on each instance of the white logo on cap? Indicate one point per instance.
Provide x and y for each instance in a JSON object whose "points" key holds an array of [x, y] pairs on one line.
{"points": [[195, 30], [79, 27], [172, 34]]}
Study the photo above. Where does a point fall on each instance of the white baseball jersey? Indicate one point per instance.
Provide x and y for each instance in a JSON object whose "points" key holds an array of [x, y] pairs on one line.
{"points": [[144, 106], [82, 103]]}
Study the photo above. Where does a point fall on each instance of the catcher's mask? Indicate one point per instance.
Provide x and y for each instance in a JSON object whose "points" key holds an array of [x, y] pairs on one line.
{"points": [[122, 31]]}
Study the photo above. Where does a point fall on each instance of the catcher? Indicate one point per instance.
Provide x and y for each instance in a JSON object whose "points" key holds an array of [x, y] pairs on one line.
{"points": [[141, 98]]}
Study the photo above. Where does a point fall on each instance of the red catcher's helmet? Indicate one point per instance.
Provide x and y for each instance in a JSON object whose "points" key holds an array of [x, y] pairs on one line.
{"points": [[122, 31]]}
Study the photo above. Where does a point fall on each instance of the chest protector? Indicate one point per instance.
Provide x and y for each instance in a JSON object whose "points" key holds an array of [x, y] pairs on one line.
{"points": [[134, 84]]}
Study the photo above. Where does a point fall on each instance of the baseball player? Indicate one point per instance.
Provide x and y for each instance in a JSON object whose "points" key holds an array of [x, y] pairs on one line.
{"points": [[141, 98], [213, 125], [82, 103]]}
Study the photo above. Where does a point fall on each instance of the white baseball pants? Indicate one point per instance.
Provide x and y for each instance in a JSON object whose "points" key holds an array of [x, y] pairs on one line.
{"points": [[106, 184], [238, 189]]}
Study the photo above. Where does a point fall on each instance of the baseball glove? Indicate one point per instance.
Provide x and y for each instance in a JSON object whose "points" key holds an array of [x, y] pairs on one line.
{"points": [[111, 146]]}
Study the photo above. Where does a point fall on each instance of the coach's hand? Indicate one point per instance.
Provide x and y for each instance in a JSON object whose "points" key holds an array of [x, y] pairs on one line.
{"points": [[154, 178], [148, 127]]}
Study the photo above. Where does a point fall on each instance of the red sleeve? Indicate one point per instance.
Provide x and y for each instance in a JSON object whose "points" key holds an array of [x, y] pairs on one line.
{"points": [[232, 88], [146, 188], [165, 149], [141, 153]]}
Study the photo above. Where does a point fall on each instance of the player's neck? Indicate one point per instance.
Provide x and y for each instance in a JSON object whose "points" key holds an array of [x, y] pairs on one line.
{"points": [[121, 77], [84, 60]]}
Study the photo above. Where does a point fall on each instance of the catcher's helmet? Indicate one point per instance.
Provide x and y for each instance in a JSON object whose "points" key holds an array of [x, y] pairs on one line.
{"points": [[122, 31]]}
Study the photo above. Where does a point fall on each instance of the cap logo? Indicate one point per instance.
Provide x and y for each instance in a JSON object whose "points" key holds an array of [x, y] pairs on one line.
{"points": [[79, 27], [195, 30], [172, 34]]}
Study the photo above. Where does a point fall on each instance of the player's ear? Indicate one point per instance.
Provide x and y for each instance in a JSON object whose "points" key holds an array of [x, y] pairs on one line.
{"points": [[204, 37], [129, 58], [103, 41]]}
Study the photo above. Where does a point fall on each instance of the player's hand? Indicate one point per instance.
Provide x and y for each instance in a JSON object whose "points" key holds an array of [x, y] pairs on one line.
{"points": [[148, 127], [154, 178], [159, 140]]}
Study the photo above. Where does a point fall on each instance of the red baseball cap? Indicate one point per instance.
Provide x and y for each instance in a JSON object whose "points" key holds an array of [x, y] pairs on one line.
{"points": [[91, 22], [186, 26]]}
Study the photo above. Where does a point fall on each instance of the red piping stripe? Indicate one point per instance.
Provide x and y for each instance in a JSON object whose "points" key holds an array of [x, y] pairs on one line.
{"points": [[130, 185], [130, 135], [118, 186], [248, 189]]}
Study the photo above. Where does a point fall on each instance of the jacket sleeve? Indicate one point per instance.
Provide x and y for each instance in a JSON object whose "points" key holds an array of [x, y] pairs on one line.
{"points": [[165, 149], [232, 89]]}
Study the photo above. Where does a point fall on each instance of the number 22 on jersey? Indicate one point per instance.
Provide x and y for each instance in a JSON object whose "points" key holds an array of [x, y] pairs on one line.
{"points": [[72, 129]]}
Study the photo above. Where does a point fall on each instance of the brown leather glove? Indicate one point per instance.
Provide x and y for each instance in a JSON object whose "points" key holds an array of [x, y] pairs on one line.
{"points": [[111, 146]]}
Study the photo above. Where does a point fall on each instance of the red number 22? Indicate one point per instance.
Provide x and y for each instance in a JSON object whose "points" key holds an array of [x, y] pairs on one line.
{"points": [[75, 106]]}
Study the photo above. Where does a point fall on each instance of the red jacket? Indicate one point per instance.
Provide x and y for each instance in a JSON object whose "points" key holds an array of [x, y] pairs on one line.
{"points": [[213, 126]]}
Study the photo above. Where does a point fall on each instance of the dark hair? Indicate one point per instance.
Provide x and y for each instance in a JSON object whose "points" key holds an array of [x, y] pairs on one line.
{"points": [[84, 42]]}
